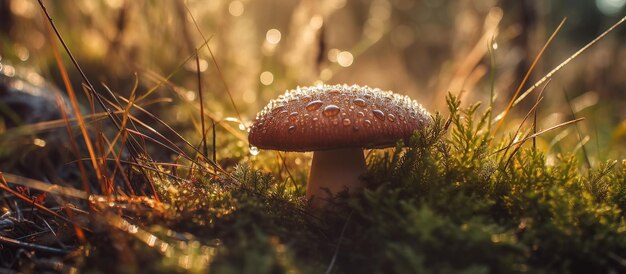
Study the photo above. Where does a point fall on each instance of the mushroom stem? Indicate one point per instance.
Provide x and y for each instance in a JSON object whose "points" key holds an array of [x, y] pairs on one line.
{"points": [[334, 171]]}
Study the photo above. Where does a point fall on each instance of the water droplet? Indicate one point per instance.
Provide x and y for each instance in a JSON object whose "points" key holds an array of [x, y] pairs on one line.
{"points": [[283, 112], [331, 110], [306, 98], [278, 108], [335, 122], [355, 128], [367, 123], [391, 117], [378, 114], [254, 151], [346, 122], [293, 116], [314, 105], [360, 114], [359, 102], [291, 129], [334, 91]]}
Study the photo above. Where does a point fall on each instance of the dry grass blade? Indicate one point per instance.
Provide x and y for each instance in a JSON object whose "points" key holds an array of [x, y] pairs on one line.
{"points": [[519, 128], [89, 87], [594, 41], [500, 118], [180, 5], [75, 106], [281, 159], [29, 129], [579, 133], [538, 134], [52, 27], [45, 187], [74, 146], [173, 146], [118, 165], [78, 194], [560, 66], [5, 187], [219, 70], [532, 110], [159, 79], [467, 69], [343, 231], [164, 80], [152, 167]]}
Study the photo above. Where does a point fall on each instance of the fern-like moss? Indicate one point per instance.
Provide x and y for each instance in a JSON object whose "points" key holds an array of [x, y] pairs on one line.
{"points": [[452, 200]]}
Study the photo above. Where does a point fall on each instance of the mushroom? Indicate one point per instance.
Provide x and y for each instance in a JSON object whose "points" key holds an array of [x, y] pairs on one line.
{"points": [[336, 122]]}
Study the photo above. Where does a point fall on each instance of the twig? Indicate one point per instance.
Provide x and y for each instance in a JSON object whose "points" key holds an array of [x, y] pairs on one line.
{"points": [[32, 246]]}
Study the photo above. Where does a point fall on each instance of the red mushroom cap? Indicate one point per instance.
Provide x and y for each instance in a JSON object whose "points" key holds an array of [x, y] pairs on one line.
{"points": [[339, 116]]}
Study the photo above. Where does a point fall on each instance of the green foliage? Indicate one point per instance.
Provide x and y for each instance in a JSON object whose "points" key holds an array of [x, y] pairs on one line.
{"points": [[453, 200]]}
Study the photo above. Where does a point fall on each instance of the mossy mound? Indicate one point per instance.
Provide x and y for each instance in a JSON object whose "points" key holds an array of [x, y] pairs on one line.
{"points": [[453, 200]]}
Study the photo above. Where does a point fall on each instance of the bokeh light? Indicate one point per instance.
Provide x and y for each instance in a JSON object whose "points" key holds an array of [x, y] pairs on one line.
{"points": [[267, 78], [236, 8], [345, 59], [610, 7], [273, 36]]}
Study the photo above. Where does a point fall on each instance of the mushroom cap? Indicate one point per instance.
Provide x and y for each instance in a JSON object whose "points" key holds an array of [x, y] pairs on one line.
{"points": [[336, 116]]}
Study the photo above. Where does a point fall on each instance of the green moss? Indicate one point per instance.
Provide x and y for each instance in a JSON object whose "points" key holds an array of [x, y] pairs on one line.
{"points": [[452, 200]]}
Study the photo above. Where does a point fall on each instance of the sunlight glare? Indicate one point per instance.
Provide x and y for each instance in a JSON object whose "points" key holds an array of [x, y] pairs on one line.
{"points": [[190, 95], [39, 142]]}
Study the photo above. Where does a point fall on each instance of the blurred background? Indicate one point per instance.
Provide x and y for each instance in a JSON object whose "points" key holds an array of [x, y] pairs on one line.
{"points": [[258, 49]]}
